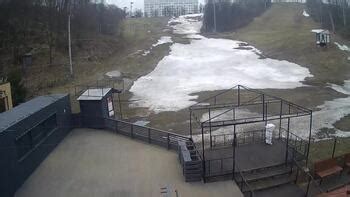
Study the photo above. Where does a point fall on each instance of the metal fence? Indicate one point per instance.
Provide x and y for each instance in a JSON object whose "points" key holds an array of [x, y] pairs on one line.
{"points": [[153, 136], [243, 138]]}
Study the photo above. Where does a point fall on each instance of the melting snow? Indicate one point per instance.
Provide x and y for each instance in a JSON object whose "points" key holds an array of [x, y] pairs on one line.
{"points": [[342, 47], [305, 13], [186, 24], [318, 30], [209, 64], [114, 73], [146, 52], [163, 40]]}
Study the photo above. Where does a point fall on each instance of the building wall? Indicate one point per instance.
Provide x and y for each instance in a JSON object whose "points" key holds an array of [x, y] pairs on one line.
{"points": [[44, 129], [154, 8], [6, 87]]}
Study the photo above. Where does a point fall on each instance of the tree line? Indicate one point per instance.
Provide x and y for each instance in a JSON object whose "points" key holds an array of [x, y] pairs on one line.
{"points": [[332, 14], [27, 22], [227, 16]]}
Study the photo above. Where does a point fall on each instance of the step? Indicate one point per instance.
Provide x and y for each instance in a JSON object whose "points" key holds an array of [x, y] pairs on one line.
{"points": [[262, 169], [269, 183], [260, 175]]}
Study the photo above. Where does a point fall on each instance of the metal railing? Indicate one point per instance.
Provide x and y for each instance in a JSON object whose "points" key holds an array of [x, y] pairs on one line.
{"points": [[242, 182], [147, 134], [243, 138], [219, 167], [312, 188], [295, 142]]}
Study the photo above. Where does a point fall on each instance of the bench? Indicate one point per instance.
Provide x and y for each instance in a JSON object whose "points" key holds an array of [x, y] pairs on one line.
{"points": [[347, 160], [327, 168]]}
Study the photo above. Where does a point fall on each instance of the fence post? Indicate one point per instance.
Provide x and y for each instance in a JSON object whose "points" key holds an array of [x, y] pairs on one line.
{"points": [[334, 146], [132, 131], [168, 141], [149, 135]]}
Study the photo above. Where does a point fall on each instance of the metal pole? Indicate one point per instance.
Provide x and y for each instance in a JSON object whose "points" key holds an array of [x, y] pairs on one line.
{"points": [[70, 48], [281, 111], [214, 16], [334, 146], [286, 160], [120, 107], [239, 95], [234, 153], [308, 148], [203, 155], [191, 123], [263, 105], [211, 144]]}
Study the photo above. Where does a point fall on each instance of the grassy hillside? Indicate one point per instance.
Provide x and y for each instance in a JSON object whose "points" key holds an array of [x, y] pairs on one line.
{"points": [[283, 32]]}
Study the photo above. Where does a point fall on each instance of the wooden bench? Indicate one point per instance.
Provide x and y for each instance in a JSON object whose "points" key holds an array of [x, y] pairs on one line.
{"points": [[347, 160], [339, 192], [327, 168]]}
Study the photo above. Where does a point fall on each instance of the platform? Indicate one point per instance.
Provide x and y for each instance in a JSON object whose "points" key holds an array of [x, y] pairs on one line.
{"points": [[99, 163]]}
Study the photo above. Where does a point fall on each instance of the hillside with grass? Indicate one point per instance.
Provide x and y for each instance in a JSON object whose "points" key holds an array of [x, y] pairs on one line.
{"points": [[283, 32]]}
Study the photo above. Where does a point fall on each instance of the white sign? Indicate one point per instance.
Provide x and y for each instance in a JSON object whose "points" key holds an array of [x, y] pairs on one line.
{"points": [[110, 107]]}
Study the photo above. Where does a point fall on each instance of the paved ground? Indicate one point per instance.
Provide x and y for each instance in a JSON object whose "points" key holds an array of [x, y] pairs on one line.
{"points": [[249, 157], [98, 163]]}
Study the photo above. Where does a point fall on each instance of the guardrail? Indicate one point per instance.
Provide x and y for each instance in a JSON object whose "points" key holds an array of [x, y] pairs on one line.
{"points": [[243, 138], [309, 179], [295, 142], [153, 136], [242, 182]]}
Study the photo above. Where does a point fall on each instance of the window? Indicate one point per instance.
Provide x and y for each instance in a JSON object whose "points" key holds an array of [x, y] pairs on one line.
{"points": [[32, 138]]}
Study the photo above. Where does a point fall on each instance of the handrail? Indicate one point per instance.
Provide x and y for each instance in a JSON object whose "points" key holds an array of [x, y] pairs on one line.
{"points": [[161, 131], [310, 178], [244, 181]]}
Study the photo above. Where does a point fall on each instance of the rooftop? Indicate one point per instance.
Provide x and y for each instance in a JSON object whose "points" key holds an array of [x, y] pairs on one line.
{"points": [[24, 110], [99, 163], [94, 94]]}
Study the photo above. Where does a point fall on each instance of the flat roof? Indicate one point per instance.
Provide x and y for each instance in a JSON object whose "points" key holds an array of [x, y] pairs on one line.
{"points": [[94, 94], [91, 162], [22, 111]]}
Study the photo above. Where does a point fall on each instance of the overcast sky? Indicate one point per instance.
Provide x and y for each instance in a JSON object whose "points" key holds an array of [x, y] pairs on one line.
{"points": [[138, 4]]}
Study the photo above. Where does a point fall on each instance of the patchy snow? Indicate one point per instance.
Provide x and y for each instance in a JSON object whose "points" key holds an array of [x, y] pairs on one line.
{"points": [[113, 74], [142, 123], [318, 30], [206, 65], [163, 40], [186, 24], [342, 47], [305, 14], [146, 52]]}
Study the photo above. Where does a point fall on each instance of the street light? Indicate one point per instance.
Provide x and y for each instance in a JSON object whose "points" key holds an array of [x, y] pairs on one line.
{"points": [[214, 16]]}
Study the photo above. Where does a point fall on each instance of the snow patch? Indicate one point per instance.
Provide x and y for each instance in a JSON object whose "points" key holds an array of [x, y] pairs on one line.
{"points": [[318, 30], [305, 14], [146, 52], [208, 65], [163, 40], [186, 24], [113, 74], [342, 47]]}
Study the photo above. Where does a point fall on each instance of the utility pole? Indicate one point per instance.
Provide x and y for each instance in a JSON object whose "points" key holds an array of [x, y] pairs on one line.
{"points": [[131, 8], [214, 16], [70, 48]]}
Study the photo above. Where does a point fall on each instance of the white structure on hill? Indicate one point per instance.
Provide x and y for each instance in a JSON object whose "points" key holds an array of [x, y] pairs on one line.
{"points": [[155, 8]]}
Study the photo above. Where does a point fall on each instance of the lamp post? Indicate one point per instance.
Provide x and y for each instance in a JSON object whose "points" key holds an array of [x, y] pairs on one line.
{"points": [[214, 6]]}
